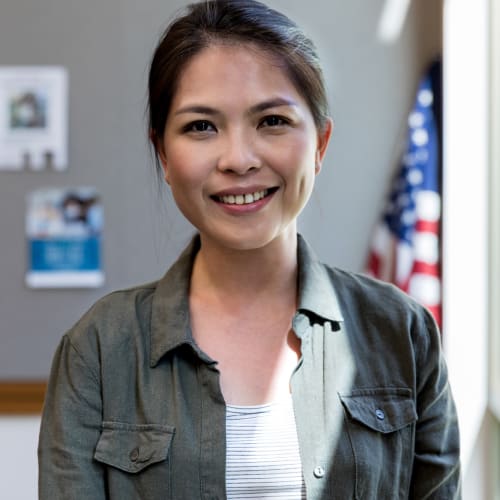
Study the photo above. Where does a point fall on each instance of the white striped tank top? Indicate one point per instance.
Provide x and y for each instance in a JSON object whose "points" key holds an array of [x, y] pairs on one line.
{"points": [[262, 453]]}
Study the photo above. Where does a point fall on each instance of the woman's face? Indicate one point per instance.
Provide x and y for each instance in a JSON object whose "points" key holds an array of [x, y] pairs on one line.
{"points": [[240, 149]]}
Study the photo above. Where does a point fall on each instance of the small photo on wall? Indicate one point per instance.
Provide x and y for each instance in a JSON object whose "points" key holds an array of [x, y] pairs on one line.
{"points": [[64, 228], [28, 110], [33, 118]]}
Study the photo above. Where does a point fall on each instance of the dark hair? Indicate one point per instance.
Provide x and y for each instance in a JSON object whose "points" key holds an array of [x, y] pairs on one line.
{"points": [[233, 21]]}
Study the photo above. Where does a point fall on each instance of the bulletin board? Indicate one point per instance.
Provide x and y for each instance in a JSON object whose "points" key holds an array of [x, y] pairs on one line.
{"points": [[107, 148]]}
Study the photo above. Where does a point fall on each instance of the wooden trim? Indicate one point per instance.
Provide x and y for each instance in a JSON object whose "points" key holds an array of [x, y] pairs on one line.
{"points": [[22, 397]]}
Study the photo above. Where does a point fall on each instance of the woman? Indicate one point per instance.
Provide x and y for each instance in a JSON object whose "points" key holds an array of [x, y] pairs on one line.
{"points": [[250, 370]]}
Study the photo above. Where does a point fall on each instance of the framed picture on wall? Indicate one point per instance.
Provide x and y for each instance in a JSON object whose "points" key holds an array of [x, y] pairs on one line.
{"points": [[64, 234], [33, 118]]}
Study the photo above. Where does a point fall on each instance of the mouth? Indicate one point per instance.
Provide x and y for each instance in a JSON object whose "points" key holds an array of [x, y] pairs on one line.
{"points": [[246, 198]]}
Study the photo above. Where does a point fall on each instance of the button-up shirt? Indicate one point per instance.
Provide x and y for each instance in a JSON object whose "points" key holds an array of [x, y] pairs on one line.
{"points": [[134, 408]]}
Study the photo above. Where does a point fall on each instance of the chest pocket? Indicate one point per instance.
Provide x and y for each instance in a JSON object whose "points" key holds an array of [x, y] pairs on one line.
{"points": [[131, 448], [382, 410], [381, 426]]}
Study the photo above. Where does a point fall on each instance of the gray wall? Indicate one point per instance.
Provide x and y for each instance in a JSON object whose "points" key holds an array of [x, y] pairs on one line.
{"points": [[106, 47]]}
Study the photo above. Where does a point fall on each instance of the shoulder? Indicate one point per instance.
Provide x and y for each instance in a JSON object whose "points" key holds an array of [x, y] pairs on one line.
{"points": [[121, 306], [379, 309], [127, 322], [372, 295], [356, 297], [118, 318]]}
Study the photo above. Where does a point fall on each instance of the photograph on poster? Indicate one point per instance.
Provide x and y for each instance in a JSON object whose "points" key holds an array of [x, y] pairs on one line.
{"points": [[64, 233], [33, 118]]}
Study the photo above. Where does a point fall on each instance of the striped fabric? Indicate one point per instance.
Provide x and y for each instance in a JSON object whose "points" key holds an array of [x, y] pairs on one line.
{"points": [[262, 458]]}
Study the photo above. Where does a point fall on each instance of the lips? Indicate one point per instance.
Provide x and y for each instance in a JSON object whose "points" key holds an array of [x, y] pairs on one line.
{"points": [[243, 198]]}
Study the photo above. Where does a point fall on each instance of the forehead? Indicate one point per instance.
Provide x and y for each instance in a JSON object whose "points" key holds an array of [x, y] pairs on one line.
{"points": [[234, 71]]}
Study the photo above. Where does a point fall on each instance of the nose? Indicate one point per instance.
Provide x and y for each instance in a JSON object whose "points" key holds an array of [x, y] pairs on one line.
{"points": [[238, 154]]}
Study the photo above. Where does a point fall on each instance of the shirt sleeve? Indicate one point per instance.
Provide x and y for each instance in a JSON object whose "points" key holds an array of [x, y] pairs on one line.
{"points": [[436, 468], [70, 429]]}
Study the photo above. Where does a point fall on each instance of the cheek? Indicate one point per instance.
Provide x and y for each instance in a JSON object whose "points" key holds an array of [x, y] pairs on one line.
{"points": [[303, 159], [299, 159], [304, 147], [179, 181], [185, 173], [177, 159], [176, 165]]}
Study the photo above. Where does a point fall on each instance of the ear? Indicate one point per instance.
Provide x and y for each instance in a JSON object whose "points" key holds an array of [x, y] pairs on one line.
{"points": [[160, 151], [323, 140], [163, 160]]}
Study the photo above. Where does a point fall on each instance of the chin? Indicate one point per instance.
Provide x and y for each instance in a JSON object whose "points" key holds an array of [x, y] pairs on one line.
{"points": [[248, 240], [241, 244]]}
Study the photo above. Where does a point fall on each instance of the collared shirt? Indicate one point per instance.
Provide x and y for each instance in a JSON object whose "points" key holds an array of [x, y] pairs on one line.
{"points": [[134, 408]]}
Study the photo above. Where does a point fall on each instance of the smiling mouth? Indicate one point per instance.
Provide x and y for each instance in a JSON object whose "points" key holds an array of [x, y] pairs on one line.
{"points": [[244, 199]]}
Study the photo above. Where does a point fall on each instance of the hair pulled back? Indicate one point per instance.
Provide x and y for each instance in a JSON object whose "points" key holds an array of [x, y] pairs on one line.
{"points": [[211, 22]]}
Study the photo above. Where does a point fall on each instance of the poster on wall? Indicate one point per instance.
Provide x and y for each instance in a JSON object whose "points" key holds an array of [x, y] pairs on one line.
{"points": [[64, 234], [33, 118]]}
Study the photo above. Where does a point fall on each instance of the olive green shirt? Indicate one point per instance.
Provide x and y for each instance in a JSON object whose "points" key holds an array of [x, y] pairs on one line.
{"points": [[134, 408]]}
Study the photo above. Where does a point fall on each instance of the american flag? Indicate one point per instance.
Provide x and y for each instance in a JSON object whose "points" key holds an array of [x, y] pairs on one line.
{"points": [[405, 249]]}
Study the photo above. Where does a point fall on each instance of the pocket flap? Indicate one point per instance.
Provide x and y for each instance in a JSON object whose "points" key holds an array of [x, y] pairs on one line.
{"points": [[131, 447], [383, 410]]}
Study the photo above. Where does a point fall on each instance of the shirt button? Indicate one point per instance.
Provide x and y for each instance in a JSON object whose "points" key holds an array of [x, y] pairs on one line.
{"points": [[134, 454], [380, 414], [319, 472]]}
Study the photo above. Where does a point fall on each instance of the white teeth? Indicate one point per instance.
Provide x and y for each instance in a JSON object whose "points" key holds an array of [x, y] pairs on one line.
{"points": [[243, 199]]}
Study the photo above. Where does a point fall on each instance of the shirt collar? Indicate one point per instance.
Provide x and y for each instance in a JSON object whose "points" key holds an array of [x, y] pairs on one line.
{"points": [[170, 326], [170, 309], [316, 290]]}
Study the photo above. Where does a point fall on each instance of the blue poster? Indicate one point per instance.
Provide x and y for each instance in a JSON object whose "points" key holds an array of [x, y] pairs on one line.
{"points": [[64, 235]]}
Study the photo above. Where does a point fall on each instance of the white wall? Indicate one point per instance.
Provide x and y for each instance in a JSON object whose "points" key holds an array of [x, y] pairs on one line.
{"points": [[466, 238], [465, 198], [18, 461]]}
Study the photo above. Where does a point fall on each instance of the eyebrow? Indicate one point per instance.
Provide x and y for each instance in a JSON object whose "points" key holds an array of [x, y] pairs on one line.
{"points": [[195, 108], [257, 108], [272, 103]]}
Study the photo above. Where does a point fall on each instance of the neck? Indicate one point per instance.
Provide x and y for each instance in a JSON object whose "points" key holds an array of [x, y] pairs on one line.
{"points": [[238, 275]]}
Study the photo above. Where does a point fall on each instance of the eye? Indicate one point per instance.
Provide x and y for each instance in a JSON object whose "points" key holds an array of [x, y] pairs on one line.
{"points": [[199, 126], [274, 121]]}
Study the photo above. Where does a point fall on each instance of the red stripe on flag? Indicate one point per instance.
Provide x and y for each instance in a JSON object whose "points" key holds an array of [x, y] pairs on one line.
{"points": [[427, 226], [425, 268], [436, 311], [374, 264]]}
